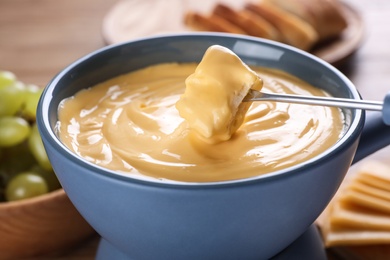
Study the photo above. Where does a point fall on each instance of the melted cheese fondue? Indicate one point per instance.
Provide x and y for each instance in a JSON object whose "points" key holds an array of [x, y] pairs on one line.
{"points": [[130, 124], [212, 101]]}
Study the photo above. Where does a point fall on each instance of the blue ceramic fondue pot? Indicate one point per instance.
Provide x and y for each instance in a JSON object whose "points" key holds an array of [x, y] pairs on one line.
{"points": [[253, 218]]}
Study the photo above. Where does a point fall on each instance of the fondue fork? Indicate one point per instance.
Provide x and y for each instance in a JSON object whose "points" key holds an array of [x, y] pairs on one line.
{"points": [[254, 95]]}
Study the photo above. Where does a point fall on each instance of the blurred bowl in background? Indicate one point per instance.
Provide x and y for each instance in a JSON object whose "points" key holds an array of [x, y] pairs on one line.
{"points": [[47, 224]]}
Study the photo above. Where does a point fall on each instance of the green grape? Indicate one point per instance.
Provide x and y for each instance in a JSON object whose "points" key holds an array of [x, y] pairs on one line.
{"points": [[49, 176], [37, 149], [13, 131], [12, 99], [33, 93], [16, 159], [25, 170], [7, 78], [3, 176], [2, 194], [26, 185]]}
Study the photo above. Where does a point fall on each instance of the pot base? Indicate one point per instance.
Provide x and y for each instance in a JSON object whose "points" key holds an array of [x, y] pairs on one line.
{"points": [[308, 246]]}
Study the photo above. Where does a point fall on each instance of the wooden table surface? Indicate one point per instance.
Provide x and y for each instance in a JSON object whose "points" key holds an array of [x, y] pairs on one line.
{"points": [[40, 37]]}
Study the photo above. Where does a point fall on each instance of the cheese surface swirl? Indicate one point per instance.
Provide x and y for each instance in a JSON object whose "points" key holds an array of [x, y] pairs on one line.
{"points": [[130, 124]]}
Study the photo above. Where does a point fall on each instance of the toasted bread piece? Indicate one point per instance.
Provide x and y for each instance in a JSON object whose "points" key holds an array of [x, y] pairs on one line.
{"points": [[325, 16], [272, 31], [211, 23], [252, 24], [296, 31]]}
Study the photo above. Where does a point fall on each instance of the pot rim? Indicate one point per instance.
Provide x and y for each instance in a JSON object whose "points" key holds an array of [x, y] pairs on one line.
{"points": [[48, 134]]}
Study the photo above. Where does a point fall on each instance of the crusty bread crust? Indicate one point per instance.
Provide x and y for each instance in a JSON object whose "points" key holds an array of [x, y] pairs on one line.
{"points": [[211, 23], [324, 15], [296, 31], [253, 25], [300, 23]]}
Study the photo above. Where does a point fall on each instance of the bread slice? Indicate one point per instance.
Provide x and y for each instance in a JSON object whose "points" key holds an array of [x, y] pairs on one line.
{"points": [[296, 31], [252, 24], [325, 16], [210, 23]]}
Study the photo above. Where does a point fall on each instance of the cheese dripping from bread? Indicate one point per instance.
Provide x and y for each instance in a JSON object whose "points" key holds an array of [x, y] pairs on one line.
{"points": [[212, 101]]}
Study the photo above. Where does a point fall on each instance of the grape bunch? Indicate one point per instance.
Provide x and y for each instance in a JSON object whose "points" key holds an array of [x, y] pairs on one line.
{"points": [[25, 170]]}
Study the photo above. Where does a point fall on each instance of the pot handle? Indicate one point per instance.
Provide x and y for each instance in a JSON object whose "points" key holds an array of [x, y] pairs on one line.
{"points": [[386, 109], [375, 135]]}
